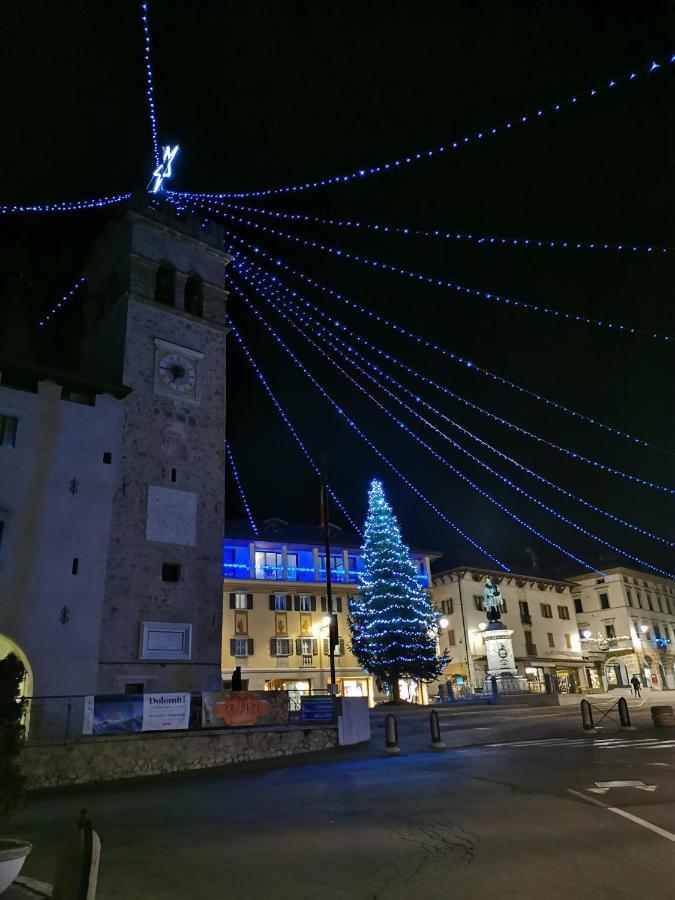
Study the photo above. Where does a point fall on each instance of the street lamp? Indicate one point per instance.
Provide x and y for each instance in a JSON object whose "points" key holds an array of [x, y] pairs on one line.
{"points": [[483, 626], [443, 623], [644, 628], [586, 633]]}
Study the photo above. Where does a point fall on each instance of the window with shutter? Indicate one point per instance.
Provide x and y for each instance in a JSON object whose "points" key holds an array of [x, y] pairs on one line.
{"points": [[289, 602], [233, 600], [304, 603], [249, 601], [250, 646], [315, 647], [273, 646], [233, 646], [324, 604], [312, 603], [296, 602], [273, 601]]}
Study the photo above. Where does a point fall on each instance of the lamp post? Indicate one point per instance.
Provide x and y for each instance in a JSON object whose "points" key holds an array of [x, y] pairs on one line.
{"points": [[333, 623]]}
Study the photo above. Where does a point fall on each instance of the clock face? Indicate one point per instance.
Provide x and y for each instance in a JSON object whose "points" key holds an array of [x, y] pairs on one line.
{"points": [[177, 374]]}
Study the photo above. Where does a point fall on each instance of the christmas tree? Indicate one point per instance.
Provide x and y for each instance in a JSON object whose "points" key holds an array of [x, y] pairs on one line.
{"points": [[392, 621]]}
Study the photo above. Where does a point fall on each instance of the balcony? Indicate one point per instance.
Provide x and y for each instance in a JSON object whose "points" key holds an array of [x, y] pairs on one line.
{"points": [[337, 576], [307, 662], [269, 573]]}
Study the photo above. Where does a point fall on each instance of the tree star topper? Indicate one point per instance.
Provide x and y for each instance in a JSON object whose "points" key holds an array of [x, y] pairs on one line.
{"points": [[163, 170]]}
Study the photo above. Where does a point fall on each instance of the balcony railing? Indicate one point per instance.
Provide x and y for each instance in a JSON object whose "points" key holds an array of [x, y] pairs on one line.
{"points": [[307, 662]]}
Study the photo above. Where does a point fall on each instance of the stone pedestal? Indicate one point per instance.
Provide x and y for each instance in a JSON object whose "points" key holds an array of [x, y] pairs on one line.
{"points": [[499, 650]]}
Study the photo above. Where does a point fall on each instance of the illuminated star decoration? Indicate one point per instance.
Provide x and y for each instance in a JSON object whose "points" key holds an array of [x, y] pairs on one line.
{"points": [[163, 170]]}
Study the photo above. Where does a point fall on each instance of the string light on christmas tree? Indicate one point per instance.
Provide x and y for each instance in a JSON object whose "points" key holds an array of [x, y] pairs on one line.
{"points": [[352, 424], [468, 364], [240, 486], [458, 143], [393, 624], [328, 335]]}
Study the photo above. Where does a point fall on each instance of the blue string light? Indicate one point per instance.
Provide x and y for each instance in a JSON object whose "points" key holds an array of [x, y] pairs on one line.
{"points": [[62, 302], [316, 324], [482, 240], [287, 422], [352, 424], [150, 91], [235, 472], [430, 345], [442, 282], [458, 472], [505, 479], [456, 144], [66, 206]]}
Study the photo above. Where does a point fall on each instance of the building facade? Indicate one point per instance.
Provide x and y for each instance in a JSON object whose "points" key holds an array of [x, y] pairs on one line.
{"points": [[539, 611], [59, 453], [626, 620], [112, 509], [275, 608]]}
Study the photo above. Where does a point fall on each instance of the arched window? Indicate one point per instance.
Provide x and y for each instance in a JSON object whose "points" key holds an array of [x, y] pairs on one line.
{"points": [[194, 299], [165, 284]]}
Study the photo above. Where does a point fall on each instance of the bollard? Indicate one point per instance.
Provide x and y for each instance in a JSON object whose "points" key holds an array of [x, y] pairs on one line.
{"points": [[663, 716], [391, 734], [587, 716], [624, 716], [436, 740]]}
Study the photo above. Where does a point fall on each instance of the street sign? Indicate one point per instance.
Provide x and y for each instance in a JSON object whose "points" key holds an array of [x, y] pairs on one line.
{"points": [[317, 709]]}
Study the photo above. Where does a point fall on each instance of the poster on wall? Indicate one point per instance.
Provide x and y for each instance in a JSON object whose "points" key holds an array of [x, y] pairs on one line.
{"points": [[112, 714], [126, 713], [165, 712], [242, 709]]}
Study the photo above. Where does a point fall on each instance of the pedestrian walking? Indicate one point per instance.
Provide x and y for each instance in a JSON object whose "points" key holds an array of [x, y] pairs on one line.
{"points": [[236, 679], [635, 681]]}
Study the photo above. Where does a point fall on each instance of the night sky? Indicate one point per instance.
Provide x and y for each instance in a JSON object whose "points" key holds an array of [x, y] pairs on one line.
{"points": [[261, 94]]}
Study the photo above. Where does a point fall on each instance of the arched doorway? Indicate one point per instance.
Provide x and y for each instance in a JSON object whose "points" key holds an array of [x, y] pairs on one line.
{"points": [[8, 646]]}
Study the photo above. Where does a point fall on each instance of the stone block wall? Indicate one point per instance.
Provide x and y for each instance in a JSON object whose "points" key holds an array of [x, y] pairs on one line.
{"points": [[111, 757]]}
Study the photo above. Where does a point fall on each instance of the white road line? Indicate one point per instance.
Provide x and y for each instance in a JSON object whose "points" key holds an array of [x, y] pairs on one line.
{"points": [[626, 815]]}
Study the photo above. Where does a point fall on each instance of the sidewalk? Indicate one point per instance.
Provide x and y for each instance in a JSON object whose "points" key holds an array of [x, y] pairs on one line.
{"points": [[649, 698]]}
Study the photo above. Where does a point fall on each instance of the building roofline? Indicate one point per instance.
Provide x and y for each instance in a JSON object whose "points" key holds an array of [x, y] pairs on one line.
{"points": [[480, 570], [21, 378]]}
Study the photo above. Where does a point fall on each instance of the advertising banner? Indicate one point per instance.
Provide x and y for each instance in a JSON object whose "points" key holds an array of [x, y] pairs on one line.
{"points": [[126, 713], [165, 712], [243, 709]]}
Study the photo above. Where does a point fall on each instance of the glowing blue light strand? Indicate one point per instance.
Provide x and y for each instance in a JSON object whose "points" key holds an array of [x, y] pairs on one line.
{"points": [[319, 328], [150, 90], [62, 302], [459, 142], [444, 283], [366, 440], [482, 240], [287, 422], [505, 479], [458, 472], [240, 486], [572, 454], [66, 206], [430, 345]]}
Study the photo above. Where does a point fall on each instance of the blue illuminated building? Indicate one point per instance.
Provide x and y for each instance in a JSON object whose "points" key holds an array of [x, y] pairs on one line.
{"points": [[290, 553]]}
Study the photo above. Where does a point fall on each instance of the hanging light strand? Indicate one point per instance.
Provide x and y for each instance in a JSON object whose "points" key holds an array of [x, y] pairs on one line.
{"points": [[352, 424], [458, 472], [468, 364], [454, 145], [65, 206], [266, 280], [296, 437], [63, 301], [150, 90], [240, 486], [475, 293], [482, 240]]}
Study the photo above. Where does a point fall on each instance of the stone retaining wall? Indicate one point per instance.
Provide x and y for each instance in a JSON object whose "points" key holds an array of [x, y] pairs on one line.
{"points": [[110, 757]]}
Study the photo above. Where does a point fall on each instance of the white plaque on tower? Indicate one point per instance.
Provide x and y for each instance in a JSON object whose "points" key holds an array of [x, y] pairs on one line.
{"points": [[172, 516]]}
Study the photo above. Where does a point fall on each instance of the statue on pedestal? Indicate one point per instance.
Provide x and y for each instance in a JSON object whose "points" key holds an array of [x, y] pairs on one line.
{"points": [[493, 603]]}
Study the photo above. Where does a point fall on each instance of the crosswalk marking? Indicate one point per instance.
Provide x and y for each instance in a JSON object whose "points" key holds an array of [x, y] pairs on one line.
{"points": [[600, 743]]}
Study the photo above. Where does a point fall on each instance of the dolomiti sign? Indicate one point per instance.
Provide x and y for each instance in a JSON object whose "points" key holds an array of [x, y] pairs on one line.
{"points": [[120, 714]]}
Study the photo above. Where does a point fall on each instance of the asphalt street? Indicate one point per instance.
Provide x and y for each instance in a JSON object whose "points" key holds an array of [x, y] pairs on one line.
{"points": [[538, 809]]}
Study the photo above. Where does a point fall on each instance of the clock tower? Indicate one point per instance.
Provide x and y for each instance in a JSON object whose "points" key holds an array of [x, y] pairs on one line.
{"points": [[154, 321]]}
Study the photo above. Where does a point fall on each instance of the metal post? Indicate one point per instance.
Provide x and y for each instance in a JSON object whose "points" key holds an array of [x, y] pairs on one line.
{"points": [[624, 717], [434, 725], [587, 716], [470, 674], [391, 734], [333, 628]]}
